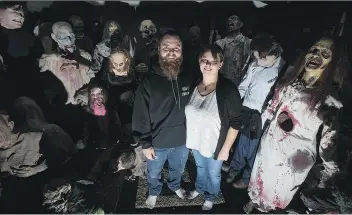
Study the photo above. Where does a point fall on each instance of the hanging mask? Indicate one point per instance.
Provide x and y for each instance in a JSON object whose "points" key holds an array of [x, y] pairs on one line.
{"points": [[12, 17], [317, 59], [64, 37], [97, 100]]}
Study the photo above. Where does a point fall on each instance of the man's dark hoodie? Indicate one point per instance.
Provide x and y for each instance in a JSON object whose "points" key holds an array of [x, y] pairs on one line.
{"points": [[159, 110]]}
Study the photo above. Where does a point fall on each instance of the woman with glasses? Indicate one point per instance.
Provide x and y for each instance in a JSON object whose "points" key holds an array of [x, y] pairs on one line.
{"points": [[213, 117]]}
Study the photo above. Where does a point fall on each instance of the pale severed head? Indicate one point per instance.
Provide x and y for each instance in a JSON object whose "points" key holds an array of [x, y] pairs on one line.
{"points": [[63, 35], [119, 63]]}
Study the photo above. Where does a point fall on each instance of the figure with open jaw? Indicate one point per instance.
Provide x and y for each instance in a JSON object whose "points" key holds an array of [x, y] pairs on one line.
{"points": [[303, 103]]}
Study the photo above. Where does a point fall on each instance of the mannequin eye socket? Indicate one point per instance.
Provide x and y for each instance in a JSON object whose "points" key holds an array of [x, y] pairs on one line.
{"points": [[326, 53]]}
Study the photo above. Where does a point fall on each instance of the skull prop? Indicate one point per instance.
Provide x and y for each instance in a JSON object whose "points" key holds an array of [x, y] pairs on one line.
{"points": [[148, 30], [78, 26], [119, 63], [12, 17], [317, 59], [64, 36], [233, 23]]}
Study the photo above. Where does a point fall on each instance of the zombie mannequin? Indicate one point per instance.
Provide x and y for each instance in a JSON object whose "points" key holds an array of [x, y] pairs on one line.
{"points": [[236, 49], [301, 110], [148, 32], [82, 41], [103, 125], [69, 65], [112, 39]]}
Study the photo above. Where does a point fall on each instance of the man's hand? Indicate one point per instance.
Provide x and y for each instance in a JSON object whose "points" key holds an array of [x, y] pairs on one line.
{"points": [[11, 19], [149, 153], [223, 155]]}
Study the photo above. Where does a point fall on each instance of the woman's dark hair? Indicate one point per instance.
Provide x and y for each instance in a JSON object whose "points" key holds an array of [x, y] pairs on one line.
{"points": [[333, 73], [170, 32], [215, 51], [266, 45]]}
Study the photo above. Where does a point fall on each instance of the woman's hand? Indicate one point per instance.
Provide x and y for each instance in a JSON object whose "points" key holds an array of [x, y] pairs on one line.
{"points": [[223, 154]]}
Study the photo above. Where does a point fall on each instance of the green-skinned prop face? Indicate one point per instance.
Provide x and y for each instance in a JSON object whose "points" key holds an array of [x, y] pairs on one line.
{"points": [[317, 59]]}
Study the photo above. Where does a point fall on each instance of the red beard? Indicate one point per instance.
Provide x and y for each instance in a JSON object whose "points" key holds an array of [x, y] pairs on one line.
{"points": [[170, 68]]}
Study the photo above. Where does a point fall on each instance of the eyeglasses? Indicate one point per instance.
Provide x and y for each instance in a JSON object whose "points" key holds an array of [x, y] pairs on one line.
{"points": [[212, 63]]}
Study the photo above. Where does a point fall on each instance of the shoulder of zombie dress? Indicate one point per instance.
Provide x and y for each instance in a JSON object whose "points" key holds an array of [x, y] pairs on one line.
{"points": [[332, 100], [85, 54]]}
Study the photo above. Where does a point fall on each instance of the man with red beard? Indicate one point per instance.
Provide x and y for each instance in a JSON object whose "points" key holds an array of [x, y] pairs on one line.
{"points": [[158, 120]]}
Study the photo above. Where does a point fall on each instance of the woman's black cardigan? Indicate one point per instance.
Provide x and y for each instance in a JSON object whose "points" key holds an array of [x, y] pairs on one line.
{"points": [[229, 105]]}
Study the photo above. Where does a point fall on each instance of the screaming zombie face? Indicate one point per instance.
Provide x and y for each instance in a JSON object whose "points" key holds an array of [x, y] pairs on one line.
{"points": [[97, 101], [233, 23], [119, 63], [78, 26], [64, 36], [6, 127], [317, 59], [148, 30], [170, 56]]}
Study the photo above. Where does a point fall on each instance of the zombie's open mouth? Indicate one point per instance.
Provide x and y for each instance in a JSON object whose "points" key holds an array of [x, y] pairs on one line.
{"points": [[314, 63]]}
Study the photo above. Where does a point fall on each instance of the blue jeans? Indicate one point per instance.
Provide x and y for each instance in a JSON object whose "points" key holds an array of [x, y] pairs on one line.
{"points": [[177, 158], [208, 176], [244, 157]]}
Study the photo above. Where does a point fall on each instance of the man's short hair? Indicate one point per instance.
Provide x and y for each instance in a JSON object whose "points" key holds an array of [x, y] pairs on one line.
{"points": [[172, 33], [127, 159], [266, 45]]}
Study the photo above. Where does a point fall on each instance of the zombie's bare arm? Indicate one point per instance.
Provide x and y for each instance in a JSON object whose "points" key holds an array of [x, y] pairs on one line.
{"points": [[327, 152], [220, 43]]}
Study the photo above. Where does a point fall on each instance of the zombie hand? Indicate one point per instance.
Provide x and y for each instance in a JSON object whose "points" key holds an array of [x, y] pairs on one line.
{"points": [[149, 153], [68, 66], [104, 48], [142, 68], [11, 19], [81, 97]]}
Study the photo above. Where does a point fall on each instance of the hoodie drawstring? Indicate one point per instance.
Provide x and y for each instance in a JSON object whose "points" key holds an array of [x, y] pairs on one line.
{"points": [[178, 93]]}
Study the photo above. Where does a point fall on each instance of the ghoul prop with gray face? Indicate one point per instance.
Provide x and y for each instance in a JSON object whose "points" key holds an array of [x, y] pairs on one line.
{"points": [[78, 26], [12, 17], [97, 100], [317, 59], [148, 30], [119, 63], [233, 23], [64, 37]]}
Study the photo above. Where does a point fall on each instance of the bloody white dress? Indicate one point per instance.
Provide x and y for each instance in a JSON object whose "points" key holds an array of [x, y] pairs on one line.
{"points": [[287, 153]]}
